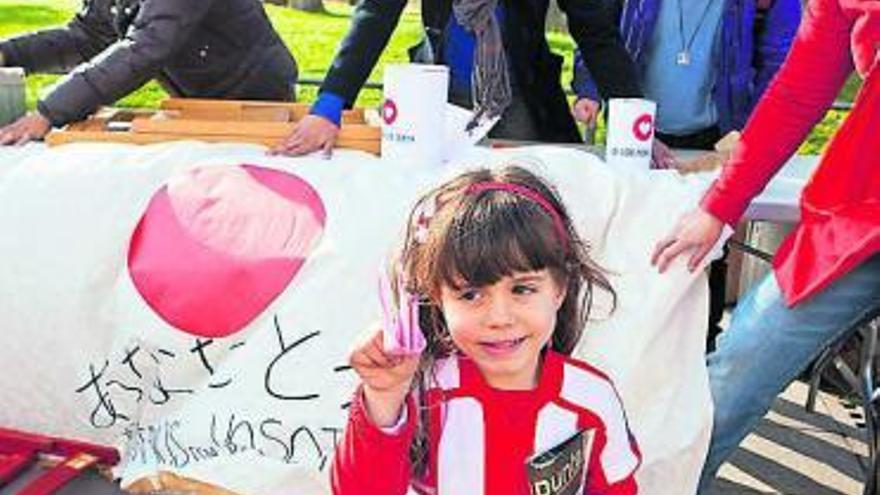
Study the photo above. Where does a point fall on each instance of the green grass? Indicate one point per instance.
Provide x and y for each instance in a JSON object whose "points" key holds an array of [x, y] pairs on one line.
{"points": [[313, 39]]}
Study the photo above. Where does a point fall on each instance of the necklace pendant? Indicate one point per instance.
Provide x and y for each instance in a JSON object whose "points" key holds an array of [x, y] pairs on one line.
{"points": [[683, 58]]}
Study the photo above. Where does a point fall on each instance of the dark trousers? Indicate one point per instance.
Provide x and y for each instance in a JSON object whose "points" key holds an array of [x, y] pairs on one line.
{"points": [[705, 140]]}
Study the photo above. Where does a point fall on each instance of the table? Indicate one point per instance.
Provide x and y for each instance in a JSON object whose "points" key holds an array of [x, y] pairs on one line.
{"points": [[780, 200], [778, 203]]}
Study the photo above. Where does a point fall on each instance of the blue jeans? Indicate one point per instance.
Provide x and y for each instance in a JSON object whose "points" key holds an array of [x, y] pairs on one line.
{"points": [[769, 344]]}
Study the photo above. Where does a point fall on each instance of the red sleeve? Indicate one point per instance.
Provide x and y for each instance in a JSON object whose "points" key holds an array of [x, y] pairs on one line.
{"points": [[368, 460], [797, 98]]}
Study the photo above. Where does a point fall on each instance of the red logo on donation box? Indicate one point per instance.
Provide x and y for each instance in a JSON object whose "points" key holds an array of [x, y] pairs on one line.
{"points": [[389, 112], [643, 127]]}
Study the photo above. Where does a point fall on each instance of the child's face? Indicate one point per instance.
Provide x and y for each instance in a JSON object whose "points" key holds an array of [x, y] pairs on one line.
{"points": [[504, 326]]}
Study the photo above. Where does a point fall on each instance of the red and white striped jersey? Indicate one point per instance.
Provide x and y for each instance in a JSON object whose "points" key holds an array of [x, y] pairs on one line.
{"points": [[480, 438]]}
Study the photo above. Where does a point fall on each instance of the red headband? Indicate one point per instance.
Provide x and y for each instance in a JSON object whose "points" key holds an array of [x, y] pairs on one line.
{"points": [[527, 193]]}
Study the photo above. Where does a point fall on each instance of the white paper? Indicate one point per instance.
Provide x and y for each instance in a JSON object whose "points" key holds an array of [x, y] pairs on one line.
{"points": [[630, 133], [460, 140], [414, 112]]}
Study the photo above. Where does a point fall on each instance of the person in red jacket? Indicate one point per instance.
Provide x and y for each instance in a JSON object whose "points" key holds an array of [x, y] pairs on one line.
{"points": [[504, 286], [826, 274]]}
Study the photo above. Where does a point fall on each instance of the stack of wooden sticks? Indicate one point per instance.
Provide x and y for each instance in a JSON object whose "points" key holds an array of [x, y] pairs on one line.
{"points": [[260, 122]]}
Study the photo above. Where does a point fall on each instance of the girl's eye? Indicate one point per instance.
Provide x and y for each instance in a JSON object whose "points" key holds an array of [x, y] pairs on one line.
{"points": [[468, 295], [524, 289]]}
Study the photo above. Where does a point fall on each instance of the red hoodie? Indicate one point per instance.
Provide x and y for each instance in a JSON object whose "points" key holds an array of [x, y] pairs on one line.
{"points": [[840, 206]]}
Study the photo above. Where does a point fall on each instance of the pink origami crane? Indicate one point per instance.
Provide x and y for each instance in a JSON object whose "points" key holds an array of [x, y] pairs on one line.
{"points": [[402, 334]]}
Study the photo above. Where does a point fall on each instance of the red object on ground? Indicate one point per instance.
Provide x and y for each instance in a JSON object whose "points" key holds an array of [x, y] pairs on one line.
{"points": [[61, 474], [20, 442], [12, 465], [105, 455], [20, 449]]}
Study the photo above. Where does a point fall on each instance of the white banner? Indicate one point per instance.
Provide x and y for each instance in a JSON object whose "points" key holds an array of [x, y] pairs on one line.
{"points": [[266, 267]]}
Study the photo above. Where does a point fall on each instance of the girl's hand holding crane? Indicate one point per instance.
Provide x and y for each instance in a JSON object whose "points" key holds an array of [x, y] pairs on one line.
{"points": [[386, 378]]}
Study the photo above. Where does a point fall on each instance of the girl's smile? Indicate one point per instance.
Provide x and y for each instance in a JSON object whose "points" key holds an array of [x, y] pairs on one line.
{"points": [[501, 348]]}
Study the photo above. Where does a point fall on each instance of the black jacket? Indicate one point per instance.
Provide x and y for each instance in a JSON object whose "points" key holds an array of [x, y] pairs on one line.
{"points": [[195, 48], [534, 68]]}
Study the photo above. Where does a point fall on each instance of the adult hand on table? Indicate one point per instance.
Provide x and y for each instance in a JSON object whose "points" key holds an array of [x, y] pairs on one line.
{"points": [[697, 231], [662, 157], [31, 126], [585, 111], [311, 133]]}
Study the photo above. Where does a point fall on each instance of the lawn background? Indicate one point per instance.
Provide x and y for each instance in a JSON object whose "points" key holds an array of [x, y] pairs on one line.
{"points": [[312, 37]]}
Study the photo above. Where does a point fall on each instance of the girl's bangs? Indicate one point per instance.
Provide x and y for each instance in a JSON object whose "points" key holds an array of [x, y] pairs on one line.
{"points": [[494, 239]]}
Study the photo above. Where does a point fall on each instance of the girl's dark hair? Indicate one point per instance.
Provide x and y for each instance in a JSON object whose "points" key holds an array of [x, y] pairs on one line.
{"points": [[455, 235]]}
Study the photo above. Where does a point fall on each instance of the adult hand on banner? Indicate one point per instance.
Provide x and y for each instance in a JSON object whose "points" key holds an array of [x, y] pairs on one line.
{"points": [[661, 156], [697, 230], [386, 378], [311, 133], [31, 126]]}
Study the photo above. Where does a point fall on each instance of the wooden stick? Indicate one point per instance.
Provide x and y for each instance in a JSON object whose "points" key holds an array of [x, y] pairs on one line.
{"points": [[297, 110], [276, 130], [57, 138]]}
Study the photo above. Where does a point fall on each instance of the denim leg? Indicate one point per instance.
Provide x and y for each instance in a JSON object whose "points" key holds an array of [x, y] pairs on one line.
{"points": [[768, 344]]}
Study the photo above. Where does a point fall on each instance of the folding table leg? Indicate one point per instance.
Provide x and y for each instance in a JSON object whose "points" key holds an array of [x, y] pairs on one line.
{"points": [[869, 393]]}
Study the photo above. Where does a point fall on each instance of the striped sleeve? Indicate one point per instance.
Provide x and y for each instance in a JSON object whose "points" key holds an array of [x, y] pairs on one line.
{"points": [[615, 456]]}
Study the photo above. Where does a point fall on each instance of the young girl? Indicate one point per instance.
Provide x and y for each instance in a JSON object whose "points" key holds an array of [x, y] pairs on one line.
{"points": [[505, 286]]}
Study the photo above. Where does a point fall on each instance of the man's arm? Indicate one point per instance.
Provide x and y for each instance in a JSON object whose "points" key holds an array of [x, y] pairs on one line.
{"points": [[371, 28], [582, 82], [160, 28], [593, 25], [61, 49], [795, 101]]}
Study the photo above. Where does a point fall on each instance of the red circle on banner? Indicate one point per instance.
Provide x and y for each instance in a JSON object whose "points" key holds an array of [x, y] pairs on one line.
{"points": [[643, 127], [389, 111], [216, 245]]}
